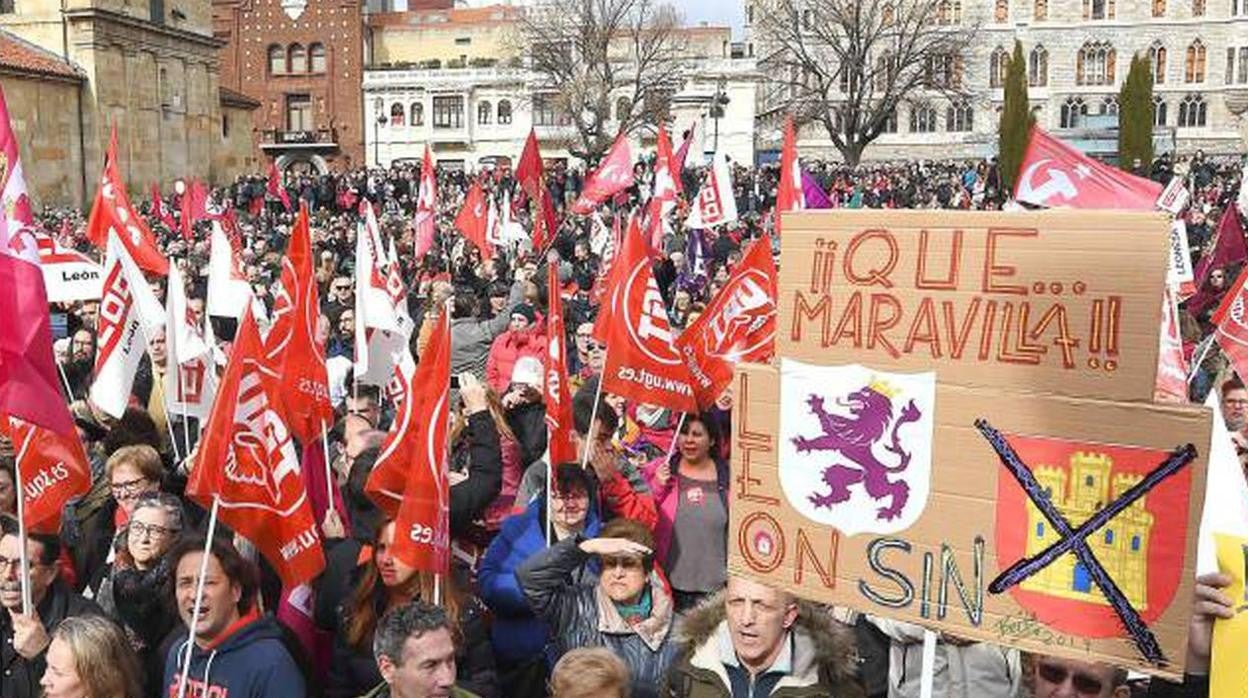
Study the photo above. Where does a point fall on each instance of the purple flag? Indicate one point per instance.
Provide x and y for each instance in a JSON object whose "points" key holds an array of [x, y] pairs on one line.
{"points": [[1228, 249], [815, 196], [693, 277]]}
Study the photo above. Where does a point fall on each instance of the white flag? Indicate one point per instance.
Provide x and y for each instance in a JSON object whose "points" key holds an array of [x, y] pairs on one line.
{"points": [[69, 275], [129, 312], [1226, 493], [229, 293], [715, 203], [190, 372]]}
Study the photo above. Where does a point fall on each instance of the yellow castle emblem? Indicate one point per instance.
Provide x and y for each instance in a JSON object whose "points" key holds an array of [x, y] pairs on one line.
{"points": [[1121, 545]]}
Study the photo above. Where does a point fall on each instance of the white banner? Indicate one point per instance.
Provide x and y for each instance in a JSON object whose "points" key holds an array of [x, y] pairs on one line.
{"points": [[68, 274]]}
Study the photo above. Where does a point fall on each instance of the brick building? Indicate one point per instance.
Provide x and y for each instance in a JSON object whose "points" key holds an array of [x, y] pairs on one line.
{"points": [[303, 61]]}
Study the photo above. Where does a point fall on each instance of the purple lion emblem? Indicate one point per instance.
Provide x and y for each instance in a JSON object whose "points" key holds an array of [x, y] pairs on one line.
{"points": [[854, 437]]}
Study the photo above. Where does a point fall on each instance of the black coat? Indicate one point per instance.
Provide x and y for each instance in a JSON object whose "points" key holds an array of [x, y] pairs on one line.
{"points": [[19, 677]]}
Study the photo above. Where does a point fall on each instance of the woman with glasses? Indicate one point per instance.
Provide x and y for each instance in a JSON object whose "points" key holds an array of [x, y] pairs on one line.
{"points": [[130, 472], [136, 590]]}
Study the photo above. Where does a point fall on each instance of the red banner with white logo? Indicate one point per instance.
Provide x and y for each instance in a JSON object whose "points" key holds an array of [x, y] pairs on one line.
{"points": [[614, 173], [474, 220], [409, 481], [54, 470], [558, 401], [739, 325], [642, 363], [1231, 321], [1056, 174], [426, 206], [248, 461], [112, 212], [1171, 365]]}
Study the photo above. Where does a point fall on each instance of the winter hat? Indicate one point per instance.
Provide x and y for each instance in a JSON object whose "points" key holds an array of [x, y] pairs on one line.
{"points": [[526, 311]]}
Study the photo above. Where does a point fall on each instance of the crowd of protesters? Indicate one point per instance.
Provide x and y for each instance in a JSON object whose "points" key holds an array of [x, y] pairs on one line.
{"points": [[616, 586]]}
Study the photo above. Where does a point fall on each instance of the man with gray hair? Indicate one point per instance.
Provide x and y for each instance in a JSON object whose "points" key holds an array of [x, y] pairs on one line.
{"points": [[415, 654]]}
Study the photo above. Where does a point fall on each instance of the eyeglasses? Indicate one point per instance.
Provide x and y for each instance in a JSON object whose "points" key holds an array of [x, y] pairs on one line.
{"points": [[1082, 683], [140, 529], [623, 562], [129, 488], [1240, 402], [15, 563]]}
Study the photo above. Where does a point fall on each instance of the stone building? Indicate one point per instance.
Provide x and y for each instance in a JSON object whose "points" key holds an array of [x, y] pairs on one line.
{"points": [[151, 70], [1078, 53], [302, 60], [450, 78]]}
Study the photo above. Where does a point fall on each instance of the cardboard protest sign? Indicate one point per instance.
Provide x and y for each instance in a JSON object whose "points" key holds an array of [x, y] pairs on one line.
{"points": [[1227, 677], [1033, 505], [1048, 301]]}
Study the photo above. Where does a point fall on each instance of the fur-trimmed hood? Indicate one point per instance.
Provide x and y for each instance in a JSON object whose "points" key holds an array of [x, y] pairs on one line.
{"points": [[834, 645]]}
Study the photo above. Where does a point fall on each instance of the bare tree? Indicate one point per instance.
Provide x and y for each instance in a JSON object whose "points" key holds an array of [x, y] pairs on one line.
{"points": [[848, 64], [603, 66]]}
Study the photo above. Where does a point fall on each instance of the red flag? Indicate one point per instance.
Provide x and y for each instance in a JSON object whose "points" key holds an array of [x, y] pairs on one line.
{"points": [[790, 196], [409, 481], [194, 206], [54, 470], [276, 189], [1171, 385], [558, 401], [1228, 249], [29, 386], [666, 169], [609, 277], [294, 363], [161, 210], [529, 171], [614, 173], [545, 222], [738, 325], [683, 152], [473, 220], [1231, 325], [112, 211], [642, 363], [426, 206], [248, 461], [1054, 174]]}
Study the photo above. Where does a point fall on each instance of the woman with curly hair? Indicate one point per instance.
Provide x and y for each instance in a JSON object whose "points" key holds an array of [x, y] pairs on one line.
{"points": [[387, 583]]}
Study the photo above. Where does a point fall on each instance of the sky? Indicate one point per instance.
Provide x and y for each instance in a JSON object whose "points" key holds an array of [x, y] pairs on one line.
{"points": [[730, 12]]}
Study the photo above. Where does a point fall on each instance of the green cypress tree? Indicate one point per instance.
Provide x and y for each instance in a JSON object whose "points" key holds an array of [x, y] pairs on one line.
{"points": [[1016, 120], [1135, 116]]}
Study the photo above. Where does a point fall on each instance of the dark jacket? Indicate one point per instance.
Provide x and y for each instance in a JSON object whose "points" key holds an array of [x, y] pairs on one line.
{"points": [[517, 635], [470, 498], [583, 616], [353, 672], [19, 678], [383, 691], [251, 661], [824, 657], [143, 603], [1193, 686]]}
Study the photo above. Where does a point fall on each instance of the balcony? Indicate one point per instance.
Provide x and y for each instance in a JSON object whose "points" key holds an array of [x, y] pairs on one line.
{"points": [[321, 139]]}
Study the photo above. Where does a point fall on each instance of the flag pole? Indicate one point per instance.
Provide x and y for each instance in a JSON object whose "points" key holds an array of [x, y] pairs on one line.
{"points": [[23, 559], [680, 424], [173, 439], [69, 392], [186, 423], [329, 471], [199, 596], [550, 489], [593, 414]]}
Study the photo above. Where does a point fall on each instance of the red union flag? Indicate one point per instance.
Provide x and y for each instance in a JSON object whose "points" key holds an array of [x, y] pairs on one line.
{"points": [[558, 401], [112, 212], [409, 481], [426, 206], [474, 220], [715, 203], [1142, 548], [1231, 326], [790, 196], [642, 363], [294, 362], [739, 325], [54, 470], [248, 461], [614, 174], [1171, 366], [1055, 174]]}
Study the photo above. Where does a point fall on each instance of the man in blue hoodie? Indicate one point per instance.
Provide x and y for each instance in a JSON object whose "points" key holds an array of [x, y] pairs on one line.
{"points": [[235, 650]]}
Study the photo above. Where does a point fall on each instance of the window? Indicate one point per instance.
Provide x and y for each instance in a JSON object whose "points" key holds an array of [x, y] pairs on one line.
{"points": [[484, 111], [1094, 64], [1198, 8], [889, 15], [1159, 8], [943, 70], [463, 40], [225, 125], [1192, 112], [922, 119], [1239, 7], [1157, 61], [316, 55], [1159, 111], [623, 107], [1194, 65], [949, 12], [1001, 12], [1072, 112], [998, 65], [890, 122], [448, 111], [808, 18], [1098, 9], [298, 62], [1038, 70], [277, 60], [1228, 76], [396, 114], [418, 114], [543, 110], [298, 113], [1040, 10], [1109, 105], [749, 14], [1243, 65], [504, 111], [959, 117], [885, 71]]}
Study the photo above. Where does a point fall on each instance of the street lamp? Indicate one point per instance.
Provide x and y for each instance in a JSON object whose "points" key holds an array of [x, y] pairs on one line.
{"points": [[381, 121], [717, 106]]}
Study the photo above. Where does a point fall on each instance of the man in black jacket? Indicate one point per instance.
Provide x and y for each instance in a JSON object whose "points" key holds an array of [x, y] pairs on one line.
{"points": [[24, 638]]}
